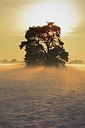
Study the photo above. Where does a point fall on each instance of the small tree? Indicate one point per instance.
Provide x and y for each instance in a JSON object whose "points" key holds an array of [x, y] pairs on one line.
{"points": [[44, 45]]}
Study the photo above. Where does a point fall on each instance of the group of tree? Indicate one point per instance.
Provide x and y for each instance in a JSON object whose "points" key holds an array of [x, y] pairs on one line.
{"points": [[77, 62], [43, 45], [7, 61]]}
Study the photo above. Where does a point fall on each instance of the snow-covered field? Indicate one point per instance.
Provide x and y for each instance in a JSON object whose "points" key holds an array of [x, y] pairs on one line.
{"points": [[42, 97]]}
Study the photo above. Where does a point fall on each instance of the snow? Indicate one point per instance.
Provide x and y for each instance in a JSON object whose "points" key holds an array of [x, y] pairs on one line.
{"points": [[42, 97]]}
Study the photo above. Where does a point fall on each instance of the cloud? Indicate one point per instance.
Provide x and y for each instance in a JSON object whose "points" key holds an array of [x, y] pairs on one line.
{"points": [[79, 30], [17, 3]]}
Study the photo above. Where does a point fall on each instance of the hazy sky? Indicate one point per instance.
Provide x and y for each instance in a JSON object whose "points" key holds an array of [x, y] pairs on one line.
{"points": [[17, 15]]}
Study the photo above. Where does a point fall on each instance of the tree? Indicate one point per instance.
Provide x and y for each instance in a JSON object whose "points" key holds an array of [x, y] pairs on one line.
{"points": [[13, 61], [44, 45]]}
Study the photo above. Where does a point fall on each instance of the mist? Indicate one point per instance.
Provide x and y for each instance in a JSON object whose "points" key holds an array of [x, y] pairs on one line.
{"points": [[42, 96]]}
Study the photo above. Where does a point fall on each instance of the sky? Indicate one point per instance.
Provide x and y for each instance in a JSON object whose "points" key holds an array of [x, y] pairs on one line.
{"points": [[17, 15]]}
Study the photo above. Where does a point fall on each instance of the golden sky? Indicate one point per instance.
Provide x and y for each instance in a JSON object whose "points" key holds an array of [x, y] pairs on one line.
{"points": [[17, 15]]}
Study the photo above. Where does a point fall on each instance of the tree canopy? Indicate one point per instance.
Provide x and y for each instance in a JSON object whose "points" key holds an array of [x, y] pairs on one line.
{"points": [[43, 45]]}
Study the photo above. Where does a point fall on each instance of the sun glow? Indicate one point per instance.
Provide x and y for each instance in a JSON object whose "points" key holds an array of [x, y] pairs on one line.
{"points": [[63, 14]]}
